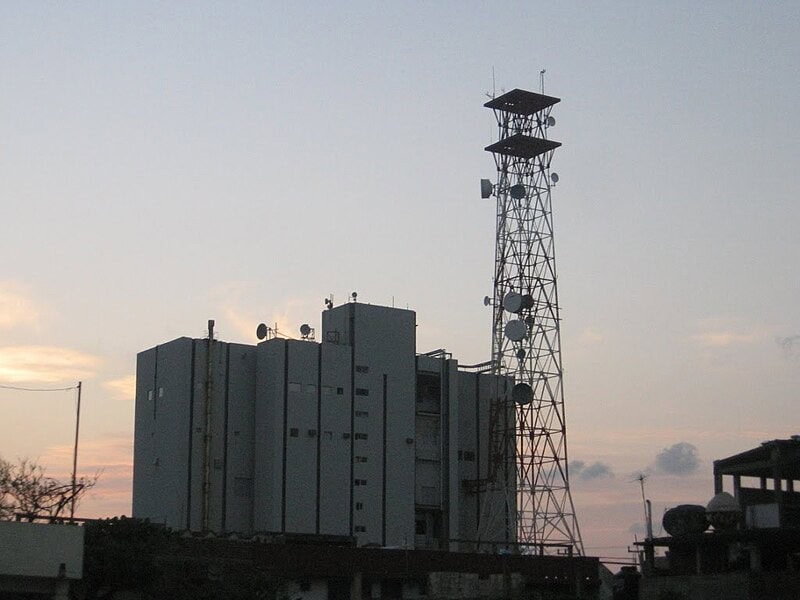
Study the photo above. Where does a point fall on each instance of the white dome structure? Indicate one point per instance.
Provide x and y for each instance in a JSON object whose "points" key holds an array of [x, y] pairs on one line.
{"points": [[723, 511]]}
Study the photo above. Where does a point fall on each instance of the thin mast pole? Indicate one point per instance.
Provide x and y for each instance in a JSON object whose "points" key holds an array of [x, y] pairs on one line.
{"points": [[75, 454]]}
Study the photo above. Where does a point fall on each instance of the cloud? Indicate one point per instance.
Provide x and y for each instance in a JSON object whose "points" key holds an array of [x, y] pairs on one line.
{"points": [[723, 332], [16, 307], [590, 337], [111, 459], [234, 299], [596, 470], [788, 344], [678, 459], [45, 364], [123, 388]]}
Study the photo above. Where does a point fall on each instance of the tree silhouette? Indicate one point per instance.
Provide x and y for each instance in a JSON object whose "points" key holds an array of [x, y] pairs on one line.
{"points": [[27, 491]]}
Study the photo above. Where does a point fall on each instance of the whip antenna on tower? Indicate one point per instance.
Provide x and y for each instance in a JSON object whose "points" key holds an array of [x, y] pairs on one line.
{"points": [[526, 336]]}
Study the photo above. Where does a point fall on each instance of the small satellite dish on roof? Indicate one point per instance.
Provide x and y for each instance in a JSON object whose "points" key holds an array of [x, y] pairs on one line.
{"points": [[551, 121], [305, 330], [521, 354], [516, 330], [487, 301], [554, 177], [512, 302], [522, 394], [517, 191], [486, 188], [261, 331]]}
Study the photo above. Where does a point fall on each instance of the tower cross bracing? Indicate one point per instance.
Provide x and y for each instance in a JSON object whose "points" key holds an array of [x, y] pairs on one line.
{"points": [[526, 339]]}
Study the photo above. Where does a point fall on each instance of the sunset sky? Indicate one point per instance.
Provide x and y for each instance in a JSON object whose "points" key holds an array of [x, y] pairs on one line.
{"points": [[166, 163]]}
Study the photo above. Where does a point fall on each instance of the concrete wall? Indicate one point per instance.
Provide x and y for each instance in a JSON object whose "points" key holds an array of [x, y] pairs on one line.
{"points": [[39, 550], [239, 445], [163, 432], [336, 441], [270, 433], [170, 435], [383, 343]]}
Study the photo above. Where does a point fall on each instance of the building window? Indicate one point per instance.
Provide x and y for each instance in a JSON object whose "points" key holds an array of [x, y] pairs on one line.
{"points": [[161, 392], [360, 482], [362, 392], [339, 391], [359, 506], [328, 435], [150, 395], [361, 529], [362, 369], [345, 436], [469, 455], [294, 387], [361, 436], [312, 433], [362, 413], [294, 432], [420, 527], [327, 390], [361, 459]]}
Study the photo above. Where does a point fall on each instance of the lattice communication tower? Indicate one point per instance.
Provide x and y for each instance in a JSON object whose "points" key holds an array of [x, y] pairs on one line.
{"points": [[526, 341]]}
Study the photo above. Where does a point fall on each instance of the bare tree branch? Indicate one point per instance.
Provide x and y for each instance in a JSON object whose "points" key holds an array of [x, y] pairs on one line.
{"points": [[25, 489]]}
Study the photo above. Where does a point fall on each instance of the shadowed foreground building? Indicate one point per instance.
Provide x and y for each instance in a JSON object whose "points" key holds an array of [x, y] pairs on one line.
{"points": [[354, 436], [753, 550]]}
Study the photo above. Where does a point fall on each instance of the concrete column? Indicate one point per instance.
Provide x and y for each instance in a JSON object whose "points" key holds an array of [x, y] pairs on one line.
{"points": [[61, 590], [355, 587], [778, 484], [755, 558]]}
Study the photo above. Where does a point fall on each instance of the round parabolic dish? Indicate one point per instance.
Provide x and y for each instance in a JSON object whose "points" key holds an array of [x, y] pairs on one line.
{"points": [[516, 330], [517, 191], [522, 394], [512, 302]]}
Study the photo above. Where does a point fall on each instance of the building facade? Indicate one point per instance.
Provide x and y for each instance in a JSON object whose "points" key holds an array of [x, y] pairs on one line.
{"points": [[355, 435]]}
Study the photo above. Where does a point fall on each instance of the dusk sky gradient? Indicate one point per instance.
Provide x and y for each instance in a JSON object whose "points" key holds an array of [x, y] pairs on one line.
{"points": [[166, 163]]}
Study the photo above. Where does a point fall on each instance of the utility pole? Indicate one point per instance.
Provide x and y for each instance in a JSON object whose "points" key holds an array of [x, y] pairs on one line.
{"points": [[75, 455]]}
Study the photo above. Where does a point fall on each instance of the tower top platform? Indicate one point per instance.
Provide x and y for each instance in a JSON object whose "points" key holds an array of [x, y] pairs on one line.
{"points": [[522, 102]]}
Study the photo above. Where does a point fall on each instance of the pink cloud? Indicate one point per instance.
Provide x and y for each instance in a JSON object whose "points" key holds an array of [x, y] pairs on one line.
{"points": [[111, 459], [45, 364]]}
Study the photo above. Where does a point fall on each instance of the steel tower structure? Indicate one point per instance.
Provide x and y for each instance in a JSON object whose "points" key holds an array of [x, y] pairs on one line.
{"points": [[526, 343]]}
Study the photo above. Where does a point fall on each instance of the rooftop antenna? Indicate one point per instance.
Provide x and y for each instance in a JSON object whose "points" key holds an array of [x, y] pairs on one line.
{"points": [[541, 79], [648, 514]]}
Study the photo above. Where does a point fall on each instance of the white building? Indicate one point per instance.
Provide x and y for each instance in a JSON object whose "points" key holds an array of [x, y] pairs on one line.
{"points": [[354, 436]]}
